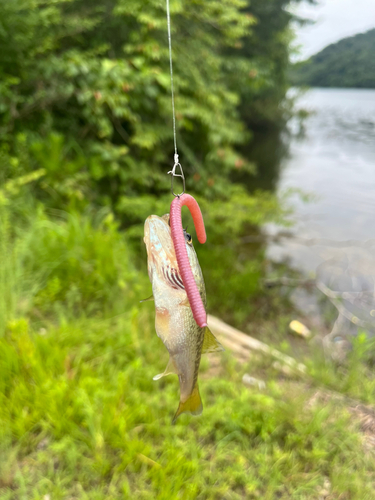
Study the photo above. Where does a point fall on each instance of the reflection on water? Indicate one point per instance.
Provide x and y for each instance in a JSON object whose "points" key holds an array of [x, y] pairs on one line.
{"points": [[267, 150]]}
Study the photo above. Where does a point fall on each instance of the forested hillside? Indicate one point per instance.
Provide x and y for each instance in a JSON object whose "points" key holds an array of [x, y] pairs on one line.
{"points": [[347, 63]]}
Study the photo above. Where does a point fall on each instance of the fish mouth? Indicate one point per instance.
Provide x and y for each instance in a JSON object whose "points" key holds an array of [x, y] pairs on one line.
{"points": [[158, 240]]}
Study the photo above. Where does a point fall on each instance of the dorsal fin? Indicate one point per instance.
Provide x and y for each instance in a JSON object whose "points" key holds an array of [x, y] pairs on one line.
{"points": [[210, 342]]}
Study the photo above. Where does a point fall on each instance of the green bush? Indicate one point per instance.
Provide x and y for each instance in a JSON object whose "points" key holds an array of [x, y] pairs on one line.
{"points": [[85, 95], [63, 263], [81, 264]]}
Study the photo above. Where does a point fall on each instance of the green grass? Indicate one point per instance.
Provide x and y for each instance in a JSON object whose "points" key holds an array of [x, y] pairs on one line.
{"points": [[81, 417]]}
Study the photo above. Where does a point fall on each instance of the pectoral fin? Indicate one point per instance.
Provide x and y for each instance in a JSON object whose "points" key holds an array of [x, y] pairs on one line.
{"points": [[168, 371], [210, 342], [151, 297], [193, 405]]}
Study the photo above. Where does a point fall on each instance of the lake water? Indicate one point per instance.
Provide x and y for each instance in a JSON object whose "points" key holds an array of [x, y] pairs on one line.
{"points": [[335, 161], [333, 239]]}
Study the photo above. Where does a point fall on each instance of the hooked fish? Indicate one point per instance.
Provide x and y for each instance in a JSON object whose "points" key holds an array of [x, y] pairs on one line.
{"points": [[174, 321]]}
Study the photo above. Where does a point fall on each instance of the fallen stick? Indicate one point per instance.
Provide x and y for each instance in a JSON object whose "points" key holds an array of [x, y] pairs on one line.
{"points": [[232, 337], [235, 347]]}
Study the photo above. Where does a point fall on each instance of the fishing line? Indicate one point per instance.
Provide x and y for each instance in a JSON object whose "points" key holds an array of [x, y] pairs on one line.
{"points": [[192, 292], [176, 157], [172, 85]]}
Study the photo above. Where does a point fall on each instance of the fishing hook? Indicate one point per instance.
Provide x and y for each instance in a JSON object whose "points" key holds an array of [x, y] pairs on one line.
{"points": [[173, 175], [178, 238]]}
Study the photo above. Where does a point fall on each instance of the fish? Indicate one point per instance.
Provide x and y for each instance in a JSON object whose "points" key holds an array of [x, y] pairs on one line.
{"points": [[184, 339]]}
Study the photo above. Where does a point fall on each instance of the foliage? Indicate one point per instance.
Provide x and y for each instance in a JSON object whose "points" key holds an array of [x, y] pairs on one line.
{"points": [[267, 46], [354, 379], [86, 263], [85, 95], [93, 93], [62, 265], [347, 63]]}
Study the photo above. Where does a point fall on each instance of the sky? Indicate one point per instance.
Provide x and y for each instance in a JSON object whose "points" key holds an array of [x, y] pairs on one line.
{"points": [[335, 19]]}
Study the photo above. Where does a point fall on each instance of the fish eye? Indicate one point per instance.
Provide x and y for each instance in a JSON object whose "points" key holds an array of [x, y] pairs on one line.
{"points": [[188, 238]]}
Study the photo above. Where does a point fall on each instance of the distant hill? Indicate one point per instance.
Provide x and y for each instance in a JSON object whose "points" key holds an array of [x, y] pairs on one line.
{"points": [[347, 63]]}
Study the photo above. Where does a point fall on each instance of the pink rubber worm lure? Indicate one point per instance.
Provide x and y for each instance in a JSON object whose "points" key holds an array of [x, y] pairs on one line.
{"points": [[178, 238]]}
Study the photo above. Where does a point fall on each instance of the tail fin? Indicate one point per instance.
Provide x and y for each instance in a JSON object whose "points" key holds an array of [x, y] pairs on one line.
{"points": [[192, 405]]}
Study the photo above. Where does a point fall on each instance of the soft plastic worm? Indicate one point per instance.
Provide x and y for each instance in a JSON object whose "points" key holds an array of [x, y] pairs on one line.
{"points": [[178, 238]]}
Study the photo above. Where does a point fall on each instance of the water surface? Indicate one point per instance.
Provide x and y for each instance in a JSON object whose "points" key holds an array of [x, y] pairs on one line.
{"points": [[335, 161]]}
